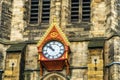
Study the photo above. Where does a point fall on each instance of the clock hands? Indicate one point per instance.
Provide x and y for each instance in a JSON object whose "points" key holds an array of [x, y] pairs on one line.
{"points": [[51, 48]]}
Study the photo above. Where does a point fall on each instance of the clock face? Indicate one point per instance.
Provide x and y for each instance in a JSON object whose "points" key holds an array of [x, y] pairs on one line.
{"points": [[53, 49]]}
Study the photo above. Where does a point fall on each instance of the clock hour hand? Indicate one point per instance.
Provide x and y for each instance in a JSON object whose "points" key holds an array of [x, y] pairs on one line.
{"points": [[51, 48]]}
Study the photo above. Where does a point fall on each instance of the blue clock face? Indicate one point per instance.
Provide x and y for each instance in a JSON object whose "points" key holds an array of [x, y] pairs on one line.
{"points": [[53, 49]]}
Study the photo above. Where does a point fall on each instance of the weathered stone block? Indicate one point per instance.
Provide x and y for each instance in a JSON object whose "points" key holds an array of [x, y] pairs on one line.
{"points": [[98, 1], [32, 57]]}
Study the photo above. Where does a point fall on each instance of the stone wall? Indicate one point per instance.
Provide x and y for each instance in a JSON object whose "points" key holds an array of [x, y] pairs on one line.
{"points": [[114, 73], [112, 59], [115, 68], [79, 55], [31, 57], [32, 70], [118, 12], [95, 64], [5, 21], [12, 66], [108, 57], [3, 49], [100, 11], [79, 74], [108, 31], [100, 26], [56, 11], [2, 56], [17, 24], [114, 15], [65, 14], [0, 9], [117, 49]]}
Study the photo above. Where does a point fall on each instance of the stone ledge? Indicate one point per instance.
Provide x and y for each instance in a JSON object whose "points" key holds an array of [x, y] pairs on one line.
{"points": [[96, 44], [71, 39], [81, 67], [16, 48], [85, 25]]}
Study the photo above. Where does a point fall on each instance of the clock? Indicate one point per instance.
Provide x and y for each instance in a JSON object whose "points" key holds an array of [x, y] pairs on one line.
{"points": [[53, 49]]}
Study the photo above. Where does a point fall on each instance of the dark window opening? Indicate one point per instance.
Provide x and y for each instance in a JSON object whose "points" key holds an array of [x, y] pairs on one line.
{"points": [[34, 15], [74, 0], [34, 12], [80, 9], [45, 11], [74, 10], [34, 7], [86, 10], [35, 2], [86, 0], [33, 20]]}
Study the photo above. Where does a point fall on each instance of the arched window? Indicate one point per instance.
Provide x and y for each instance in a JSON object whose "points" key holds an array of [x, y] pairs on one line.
{"points": [[54, 76]]}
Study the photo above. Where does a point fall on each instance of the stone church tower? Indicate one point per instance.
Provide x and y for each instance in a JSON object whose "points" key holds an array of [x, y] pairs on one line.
{"points": [[91, 26]]}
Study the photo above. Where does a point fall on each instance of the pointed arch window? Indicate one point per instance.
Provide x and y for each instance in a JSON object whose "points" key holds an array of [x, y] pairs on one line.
{"points": [[54, 76]]}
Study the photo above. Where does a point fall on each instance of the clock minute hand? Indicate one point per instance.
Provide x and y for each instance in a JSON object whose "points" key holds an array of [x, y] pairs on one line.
{"points": [[51, 48]]}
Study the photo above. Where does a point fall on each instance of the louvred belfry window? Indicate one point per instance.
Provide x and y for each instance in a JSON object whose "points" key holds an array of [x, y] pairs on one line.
{"points": [[86, 10], [45, 11], [74, 10], [34, 12], [80, 10]]}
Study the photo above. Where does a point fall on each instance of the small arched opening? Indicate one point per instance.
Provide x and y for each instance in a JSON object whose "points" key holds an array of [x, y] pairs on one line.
{"points": [[54, 76]]}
